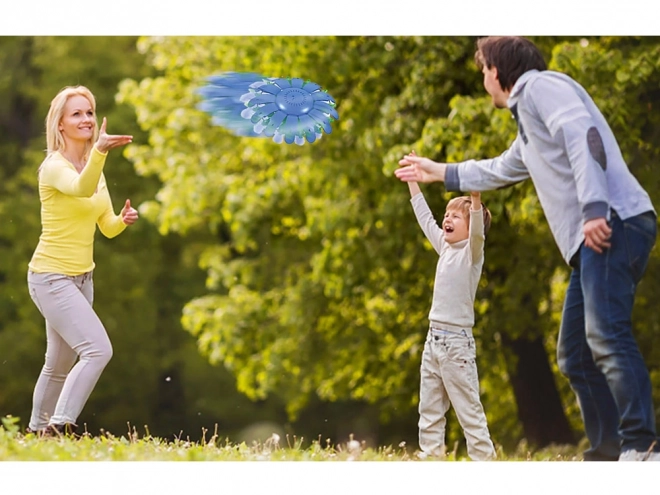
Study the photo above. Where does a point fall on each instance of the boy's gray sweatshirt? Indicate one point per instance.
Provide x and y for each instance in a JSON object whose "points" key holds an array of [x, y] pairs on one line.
{"points": [[567, 148], [458, 269]]}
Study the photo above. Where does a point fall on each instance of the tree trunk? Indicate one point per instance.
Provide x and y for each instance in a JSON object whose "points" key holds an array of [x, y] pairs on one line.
{"points": [[539, 406]]}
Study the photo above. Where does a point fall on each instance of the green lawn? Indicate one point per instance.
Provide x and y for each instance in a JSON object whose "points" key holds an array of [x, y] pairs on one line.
{"points": [[297, 471], [16, 446]]}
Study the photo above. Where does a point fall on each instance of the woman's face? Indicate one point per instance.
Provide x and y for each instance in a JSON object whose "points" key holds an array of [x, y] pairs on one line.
{"points": [[78, 120]]}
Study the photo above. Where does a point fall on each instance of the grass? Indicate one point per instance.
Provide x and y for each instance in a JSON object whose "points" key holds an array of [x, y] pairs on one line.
{"points": [[16, 446], [398, 470]]}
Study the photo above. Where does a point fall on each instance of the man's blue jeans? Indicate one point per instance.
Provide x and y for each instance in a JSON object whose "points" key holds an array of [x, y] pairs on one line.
{"points": [[597, 350]]}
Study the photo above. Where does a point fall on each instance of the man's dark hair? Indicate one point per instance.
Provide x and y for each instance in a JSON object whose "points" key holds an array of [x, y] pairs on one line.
{"points": [[511, 55]]}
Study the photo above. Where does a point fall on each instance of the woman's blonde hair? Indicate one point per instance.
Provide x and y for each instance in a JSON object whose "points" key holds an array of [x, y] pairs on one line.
{"points": [[54, 139]]}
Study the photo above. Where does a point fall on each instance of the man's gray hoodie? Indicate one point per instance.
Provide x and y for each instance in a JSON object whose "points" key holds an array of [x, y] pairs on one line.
{"points": [[567, 148]]}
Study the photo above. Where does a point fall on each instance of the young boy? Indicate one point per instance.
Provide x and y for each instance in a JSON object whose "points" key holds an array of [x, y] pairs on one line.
{"points": [[449, 369]]}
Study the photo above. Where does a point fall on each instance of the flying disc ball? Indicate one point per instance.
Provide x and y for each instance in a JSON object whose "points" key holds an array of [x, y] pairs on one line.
{"points": [[289, 110]]}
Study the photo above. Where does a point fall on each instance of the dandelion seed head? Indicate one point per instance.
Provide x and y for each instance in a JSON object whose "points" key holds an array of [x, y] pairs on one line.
{"points": [[353, 445]]}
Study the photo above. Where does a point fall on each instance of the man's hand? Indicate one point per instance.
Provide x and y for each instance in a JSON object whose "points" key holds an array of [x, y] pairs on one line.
{"points": [[419, 169], [597, 234]]}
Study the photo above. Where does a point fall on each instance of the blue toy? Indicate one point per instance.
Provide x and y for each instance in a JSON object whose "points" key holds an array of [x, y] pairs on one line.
{"points": [[289, 110]]}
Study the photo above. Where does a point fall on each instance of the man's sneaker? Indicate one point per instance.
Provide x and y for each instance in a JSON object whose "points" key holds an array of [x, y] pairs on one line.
{"points": [[636, 455]]}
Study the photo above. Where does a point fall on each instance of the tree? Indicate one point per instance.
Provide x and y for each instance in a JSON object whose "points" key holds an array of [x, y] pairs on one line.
{"points": [[318, 279]]}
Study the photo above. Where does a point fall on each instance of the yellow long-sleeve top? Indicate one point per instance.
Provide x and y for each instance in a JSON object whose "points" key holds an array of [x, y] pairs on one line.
{"points": [[72, 204]]}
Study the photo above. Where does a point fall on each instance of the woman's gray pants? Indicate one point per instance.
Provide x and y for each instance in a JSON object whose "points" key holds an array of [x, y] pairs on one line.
{"points": [[73, 330]]}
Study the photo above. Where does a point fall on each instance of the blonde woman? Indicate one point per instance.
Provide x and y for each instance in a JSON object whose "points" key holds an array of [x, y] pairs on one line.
{"points": [[74, 200]]}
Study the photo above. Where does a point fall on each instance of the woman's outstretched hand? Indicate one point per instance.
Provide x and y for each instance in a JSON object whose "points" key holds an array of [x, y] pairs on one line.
{"points": [[106, 141]]}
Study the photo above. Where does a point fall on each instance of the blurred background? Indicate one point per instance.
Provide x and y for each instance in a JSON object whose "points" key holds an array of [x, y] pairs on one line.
{"points": [[272, 288]]}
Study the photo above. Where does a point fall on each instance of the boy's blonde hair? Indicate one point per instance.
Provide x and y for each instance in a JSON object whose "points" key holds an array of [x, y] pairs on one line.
{"points": [[463, 204], [54, 139]]}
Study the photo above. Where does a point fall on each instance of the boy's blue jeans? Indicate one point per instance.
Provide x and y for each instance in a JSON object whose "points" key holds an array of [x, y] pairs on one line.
{"points": [[597, 350]]}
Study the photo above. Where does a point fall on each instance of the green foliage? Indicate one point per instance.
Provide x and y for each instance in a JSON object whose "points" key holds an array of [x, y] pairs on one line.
{"points": [[309, 294]]}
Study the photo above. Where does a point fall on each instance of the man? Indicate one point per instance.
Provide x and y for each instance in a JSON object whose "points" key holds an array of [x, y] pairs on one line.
{"points": [[603, 223]]}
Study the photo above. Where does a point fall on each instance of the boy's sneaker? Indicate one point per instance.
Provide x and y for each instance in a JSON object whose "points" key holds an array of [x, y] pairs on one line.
{"points": [[636, 455]]}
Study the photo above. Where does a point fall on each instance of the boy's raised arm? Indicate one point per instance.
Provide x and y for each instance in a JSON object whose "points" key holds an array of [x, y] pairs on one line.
{"points": [[475, 197], [426, 220], [414, 189], [424, 216], [477, 237]]}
